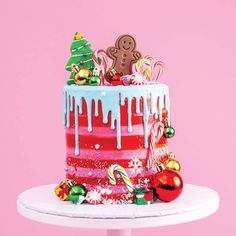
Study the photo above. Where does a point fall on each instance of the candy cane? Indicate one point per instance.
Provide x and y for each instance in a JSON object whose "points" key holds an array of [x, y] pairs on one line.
{"points": [[143, 67], [124, 175], [103, 65], [160, 71], [155, 64], [157, 131]]}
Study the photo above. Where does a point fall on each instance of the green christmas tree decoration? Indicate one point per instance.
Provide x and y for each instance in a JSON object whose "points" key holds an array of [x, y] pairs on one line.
{"points": [[81, 54]]}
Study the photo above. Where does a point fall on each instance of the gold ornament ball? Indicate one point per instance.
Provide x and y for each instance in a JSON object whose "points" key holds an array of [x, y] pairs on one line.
{"points": [[173, 164], [78, 80], [84, 73]]}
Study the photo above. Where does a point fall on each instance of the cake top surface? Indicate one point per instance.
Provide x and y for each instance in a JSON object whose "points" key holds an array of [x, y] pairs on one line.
{"points": [[135, 89]]}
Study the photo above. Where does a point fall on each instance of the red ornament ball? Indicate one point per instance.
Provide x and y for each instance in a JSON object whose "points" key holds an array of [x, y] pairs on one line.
{"points": [[116, 80], [116, 77], [168, 185]]}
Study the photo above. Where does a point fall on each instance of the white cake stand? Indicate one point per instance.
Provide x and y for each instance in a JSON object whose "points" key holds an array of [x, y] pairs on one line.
{"points": [[40, 204]]}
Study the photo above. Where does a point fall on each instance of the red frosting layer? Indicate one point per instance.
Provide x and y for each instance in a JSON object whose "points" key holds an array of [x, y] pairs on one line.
{"points": [[98, 151]]}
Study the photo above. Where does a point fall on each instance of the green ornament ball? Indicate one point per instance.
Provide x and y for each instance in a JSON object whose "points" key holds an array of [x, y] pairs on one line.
{"points": [[169, 132], [77, 193], [94, 81]]}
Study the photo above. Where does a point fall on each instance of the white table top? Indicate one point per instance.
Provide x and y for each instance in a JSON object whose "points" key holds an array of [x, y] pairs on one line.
{"points": [[40, 204]]}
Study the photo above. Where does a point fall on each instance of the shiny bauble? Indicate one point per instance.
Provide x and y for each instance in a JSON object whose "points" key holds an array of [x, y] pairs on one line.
{"points": [[172, 164], [85, 73], [77, 193], [82, 75], [116, 77], [116, 80], [169, 132], [168, 185], [109, 74], [94, 80], [78, 80]]}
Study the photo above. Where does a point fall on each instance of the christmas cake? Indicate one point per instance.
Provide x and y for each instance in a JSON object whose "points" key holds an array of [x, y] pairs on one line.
{"points": [[117, 122]]}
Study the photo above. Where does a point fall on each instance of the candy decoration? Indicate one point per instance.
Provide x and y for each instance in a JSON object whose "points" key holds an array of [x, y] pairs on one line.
{"points": [[168, 184], [143, 70], [62, 190], [124, 54], [171, 163], [144, 67], [77, 193], [94, 80], [138, 79], [156, 131], [100, 53], [126, 80], [169, 132], [123, 173], [155, 64], [81, 54], [143, 196], [94, 196]]}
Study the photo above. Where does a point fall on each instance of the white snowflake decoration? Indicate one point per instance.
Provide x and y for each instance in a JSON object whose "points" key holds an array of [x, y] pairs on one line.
{"points": [[94, 196], [135, 166]]}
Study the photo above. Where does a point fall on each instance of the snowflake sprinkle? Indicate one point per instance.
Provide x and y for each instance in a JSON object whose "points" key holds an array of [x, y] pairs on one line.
{"points": [[135, 166]]}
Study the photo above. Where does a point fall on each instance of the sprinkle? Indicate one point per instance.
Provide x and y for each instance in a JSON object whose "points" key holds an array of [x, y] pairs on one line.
{"points": [[97, 146]]}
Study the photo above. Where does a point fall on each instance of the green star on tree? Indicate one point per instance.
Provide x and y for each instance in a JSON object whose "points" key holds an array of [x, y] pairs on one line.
{"points": [[81, 54]]}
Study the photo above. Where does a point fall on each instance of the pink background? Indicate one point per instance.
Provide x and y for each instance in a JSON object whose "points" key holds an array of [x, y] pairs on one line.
{"points": [[195, 39]]}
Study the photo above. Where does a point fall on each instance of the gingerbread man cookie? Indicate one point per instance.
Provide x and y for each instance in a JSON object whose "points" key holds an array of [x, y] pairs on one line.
{"points": [[124, 54]]}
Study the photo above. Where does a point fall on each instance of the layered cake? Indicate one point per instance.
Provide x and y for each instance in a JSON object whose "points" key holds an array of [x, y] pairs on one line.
{"points": [[117, 122]]}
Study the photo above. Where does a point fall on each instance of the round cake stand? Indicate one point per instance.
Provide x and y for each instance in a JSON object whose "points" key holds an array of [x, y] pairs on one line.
{"points": [[41, 204]]}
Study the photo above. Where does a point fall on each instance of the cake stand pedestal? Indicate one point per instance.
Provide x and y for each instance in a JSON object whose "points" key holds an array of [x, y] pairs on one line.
{"points": [[40, 204]]}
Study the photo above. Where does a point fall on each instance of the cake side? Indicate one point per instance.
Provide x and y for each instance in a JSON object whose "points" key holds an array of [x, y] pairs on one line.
{"points": [[111, 125]]}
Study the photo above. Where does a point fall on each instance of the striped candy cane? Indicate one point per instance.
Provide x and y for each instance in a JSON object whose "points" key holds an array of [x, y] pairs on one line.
{"points": [[154, 64], [103, 65], [144, 67], [157, 131], [124, 175]]}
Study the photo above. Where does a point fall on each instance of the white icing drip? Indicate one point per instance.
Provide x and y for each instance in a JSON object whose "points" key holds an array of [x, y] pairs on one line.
{"points": [[129, 115], [64, 107], [111, 102], [96, 107], [76, 130], [71, 103], [68, 110]]}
